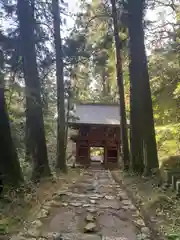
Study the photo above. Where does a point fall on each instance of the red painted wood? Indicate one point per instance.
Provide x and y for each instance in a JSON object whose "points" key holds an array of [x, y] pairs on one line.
{"points": [[97, 136]]}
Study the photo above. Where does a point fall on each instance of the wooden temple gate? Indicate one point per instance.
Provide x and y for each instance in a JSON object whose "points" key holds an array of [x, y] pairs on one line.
{"points": [[97, 128], [107, 137]]}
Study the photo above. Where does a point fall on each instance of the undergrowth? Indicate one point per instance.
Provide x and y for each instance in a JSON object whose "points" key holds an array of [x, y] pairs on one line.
{"points": [[163, 207], [18, 205]]}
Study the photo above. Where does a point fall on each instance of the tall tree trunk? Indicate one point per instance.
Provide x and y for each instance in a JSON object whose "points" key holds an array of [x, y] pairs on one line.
{"points": [[136, 141], [67, 119], [28, 150], [124, 136], [9, 164], [61, 150], [33, 98], [150, 147], [142, 112]]}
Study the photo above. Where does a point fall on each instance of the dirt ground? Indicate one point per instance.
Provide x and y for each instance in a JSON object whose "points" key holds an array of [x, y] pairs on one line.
{"points": [[94, 207], [22, 205], [162, 209]]}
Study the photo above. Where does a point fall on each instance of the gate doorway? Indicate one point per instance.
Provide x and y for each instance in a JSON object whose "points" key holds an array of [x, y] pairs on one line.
{"points": [[97, 155]]}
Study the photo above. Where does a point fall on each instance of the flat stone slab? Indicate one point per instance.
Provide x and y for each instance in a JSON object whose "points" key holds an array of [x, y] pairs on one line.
{"points": [[90, 227], [76, 204], [96, 196], [114, 204], [42, 213], [122, 196], [90, 217], [80, 236], [85, 205], [109, 197], [65, 220], [126, 202], [92, 209], [117, 238], [113, 226]]}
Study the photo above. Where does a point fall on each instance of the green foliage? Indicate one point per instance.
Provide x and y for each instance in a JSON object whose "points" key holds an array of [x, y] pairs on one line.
{"points": [[167, 138], [174, 236], [177, 91], [164, 72]]}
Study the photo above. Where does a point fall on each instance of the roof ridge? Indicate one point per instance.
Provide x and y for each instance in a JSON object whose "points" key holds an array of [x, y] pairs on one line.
{"points": [[97, 104]]}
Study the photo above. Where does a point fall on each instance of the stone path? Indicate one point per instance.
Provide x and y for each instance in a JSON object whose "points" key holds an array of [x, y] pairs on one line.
{"points": [[94, 208]]}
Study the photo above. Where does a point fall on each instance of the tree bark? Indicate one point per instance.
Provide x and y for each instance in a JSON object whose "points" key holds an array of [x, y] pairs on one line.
{"points": [[9, 165], [28, 150], [136, 141], [142, 129], [67, 119], [124, 137], [33, 97], [61, 150]]}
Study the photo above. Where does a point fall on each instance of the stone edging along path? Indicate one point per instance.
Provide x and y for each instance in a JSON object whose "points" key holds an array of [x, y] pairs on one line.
{"points": [[93, 208], [152, 226]]}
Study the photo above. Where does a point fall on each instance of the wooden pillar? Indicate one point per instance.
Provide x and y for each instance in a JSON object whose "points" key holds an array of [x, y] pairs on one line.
{"points": [[118, 155], [105, 156], [89, 160], [77, 151]]}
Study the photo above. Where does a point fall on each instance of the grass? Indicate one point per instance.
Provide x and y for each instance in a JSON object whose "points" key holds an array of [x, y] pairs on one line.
{"points": [[19, 206], [169, 148], [168, 141], [168, 126]]}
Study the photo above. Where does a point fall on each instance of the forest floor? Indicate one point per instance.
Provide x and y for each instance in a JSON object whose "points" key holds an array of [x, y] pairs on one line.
{"points": [[94, 207], [160, 209], [18, 207], [92, 204]]}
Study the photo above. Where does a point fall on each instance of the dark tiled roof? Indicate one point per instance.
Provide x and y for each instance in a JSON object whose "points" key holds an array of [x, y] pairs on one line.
{"points": [[92, 113]]}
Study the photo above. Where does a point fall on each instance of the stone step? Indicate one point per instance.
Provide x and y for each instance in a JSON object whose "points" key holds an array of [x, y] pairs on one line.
{"points": [[168, 175], [178, 188]]}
